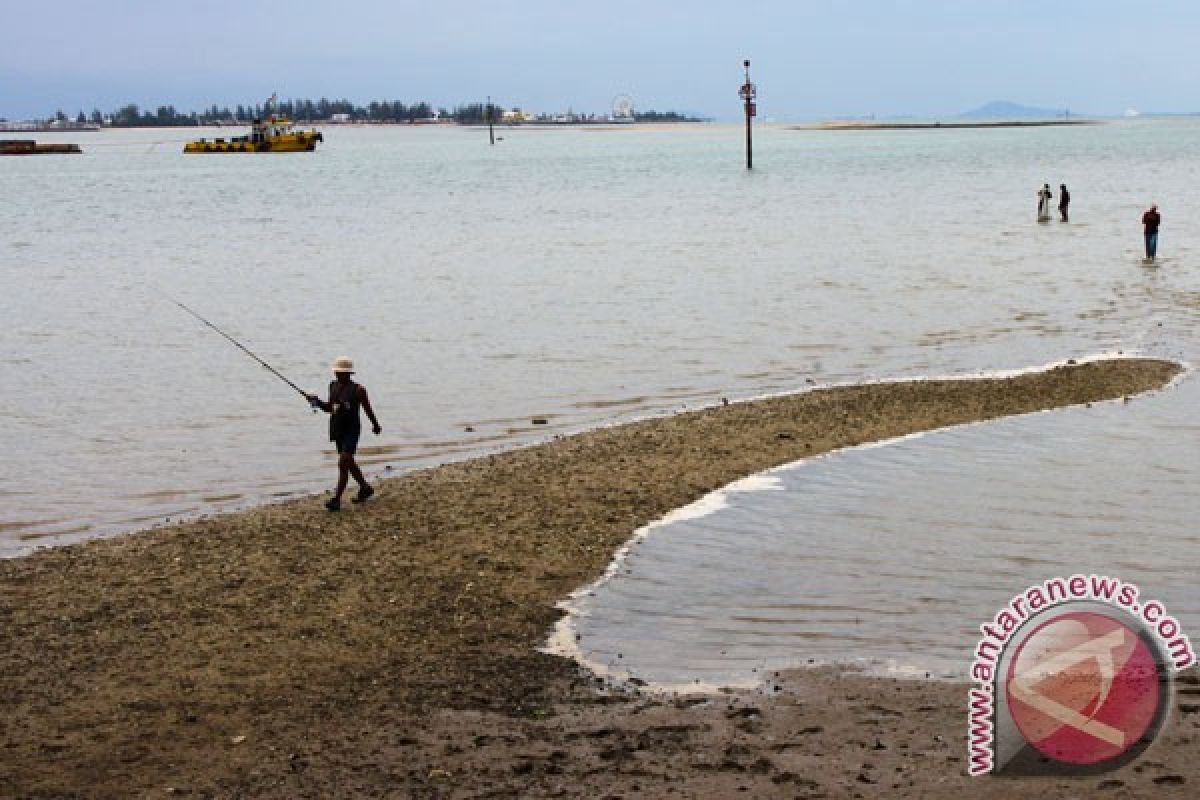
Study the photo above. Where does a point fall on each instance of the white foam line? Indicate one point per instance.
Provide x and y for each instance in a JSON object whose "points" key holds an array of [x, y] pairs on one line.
{"points": [[563, 639]]}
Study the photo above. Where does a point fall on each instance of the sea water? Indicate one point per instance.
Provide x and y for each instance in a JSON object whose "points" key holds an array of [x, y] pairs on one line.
{"points": [[890, 557], [588, 275]]}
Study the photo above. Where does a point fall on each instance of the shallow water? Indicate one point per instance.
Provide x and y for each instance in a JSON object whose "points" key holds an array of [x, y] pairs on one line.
{"points": [[891, 556], [578, 275]]}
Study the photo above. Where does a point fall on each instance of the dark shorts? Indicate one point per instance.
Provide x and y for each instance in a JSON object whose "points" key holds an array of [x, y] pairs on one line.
{"points": [[347, 442]]}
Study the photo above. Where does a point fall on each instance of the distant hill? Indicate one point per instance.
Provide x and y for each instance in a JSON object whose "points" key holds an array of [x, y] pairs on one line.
{"points": [[1002, 109]]}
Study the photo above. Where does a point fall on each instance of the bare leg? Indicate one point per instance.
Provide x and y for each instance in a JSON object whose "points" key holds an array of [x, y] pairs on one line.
{"points": [[344, 462], [357, 473]]}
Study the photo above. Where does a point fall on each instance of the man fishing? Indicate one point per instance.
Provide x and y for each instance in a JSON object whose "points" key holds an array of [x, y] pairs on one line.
{"points": [[345, 399]]}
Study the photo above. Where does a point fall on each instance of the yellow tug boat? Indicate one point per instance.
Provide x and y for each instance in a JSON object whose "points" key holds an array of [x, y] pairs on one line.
{"points": [[276, 135]]}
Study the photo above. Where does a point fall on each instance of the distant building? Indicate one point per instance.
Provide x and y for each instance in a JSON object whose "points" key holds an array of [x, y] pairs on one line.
{"points": [[435, 118]]}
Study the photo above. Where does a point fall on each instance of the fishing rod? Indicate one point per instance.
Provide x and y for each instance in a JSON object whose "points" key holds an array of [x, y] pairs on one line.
{"points": [[239, 346]]}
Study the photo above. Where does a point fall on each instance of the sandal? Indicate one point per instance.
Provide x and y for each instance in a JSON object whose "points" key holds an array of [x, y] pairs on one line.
{"points": [[363, 494]]}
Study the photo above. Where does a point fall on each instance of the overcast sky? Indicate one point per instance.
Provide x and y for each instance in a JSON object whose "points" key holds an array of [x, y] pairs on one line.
{"points": [[810, 59]]}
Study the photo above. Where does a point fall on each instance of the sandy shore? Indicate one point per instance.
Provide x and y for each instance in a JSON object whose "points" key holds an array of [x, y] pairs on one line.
{"points": [[389, 651]]}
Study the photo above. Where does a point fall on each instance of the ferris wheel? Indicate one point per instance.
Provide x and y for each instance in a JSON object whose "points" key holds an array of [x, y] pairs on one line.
{"points": [[622, 108]]}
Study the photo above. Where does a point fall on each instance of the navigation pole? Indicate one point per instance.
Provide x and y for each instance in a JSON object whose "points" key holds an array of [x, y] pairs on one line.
{"points": [[489, 114], [748, 93]]}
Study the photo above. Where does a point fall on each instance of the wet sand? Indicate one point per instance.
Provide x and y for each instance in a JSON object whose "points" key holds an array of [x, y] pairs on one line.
{"points": [[390, 650]]}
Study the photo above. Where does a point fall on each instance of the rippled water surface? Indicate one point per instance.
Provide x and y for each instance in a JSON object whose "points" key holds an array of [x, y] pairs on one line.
{"points": [[892, 556], [585, 276]]}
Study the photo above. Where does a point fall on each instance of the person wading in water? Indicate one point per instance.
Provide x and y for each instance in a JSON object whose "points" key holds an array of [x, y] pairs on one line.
{"points": [[1044, 197], [1150, 222], [345, 399]]}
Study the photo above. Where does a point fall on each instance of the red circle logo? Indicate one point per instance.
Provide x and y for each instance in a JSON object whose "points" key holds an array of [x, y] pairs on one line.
{"points": [[1084, 688]]}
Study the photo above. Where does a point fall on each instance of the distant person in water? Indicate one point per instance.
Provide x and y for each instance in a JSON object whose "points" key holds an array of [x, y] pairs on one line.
{"points": [[1044, 197], [1064, 200], [345, 399], [1150, 222]]}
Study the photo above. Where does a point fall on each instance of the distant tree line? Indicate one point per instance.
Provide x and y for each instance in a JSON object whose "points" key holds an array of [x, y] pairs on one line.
{"points": [[665, 116], [323, 110]]}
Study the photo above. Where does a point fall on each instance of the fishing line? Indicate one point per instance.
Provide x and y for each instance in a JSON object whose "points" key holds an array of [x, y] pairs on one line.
{"points": [[238, 345]]}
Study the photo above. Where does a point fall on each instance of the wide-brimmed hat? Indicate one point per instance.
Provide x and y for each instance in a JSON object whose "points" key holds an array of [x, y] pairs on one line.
{"points": [[342, 364]]}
